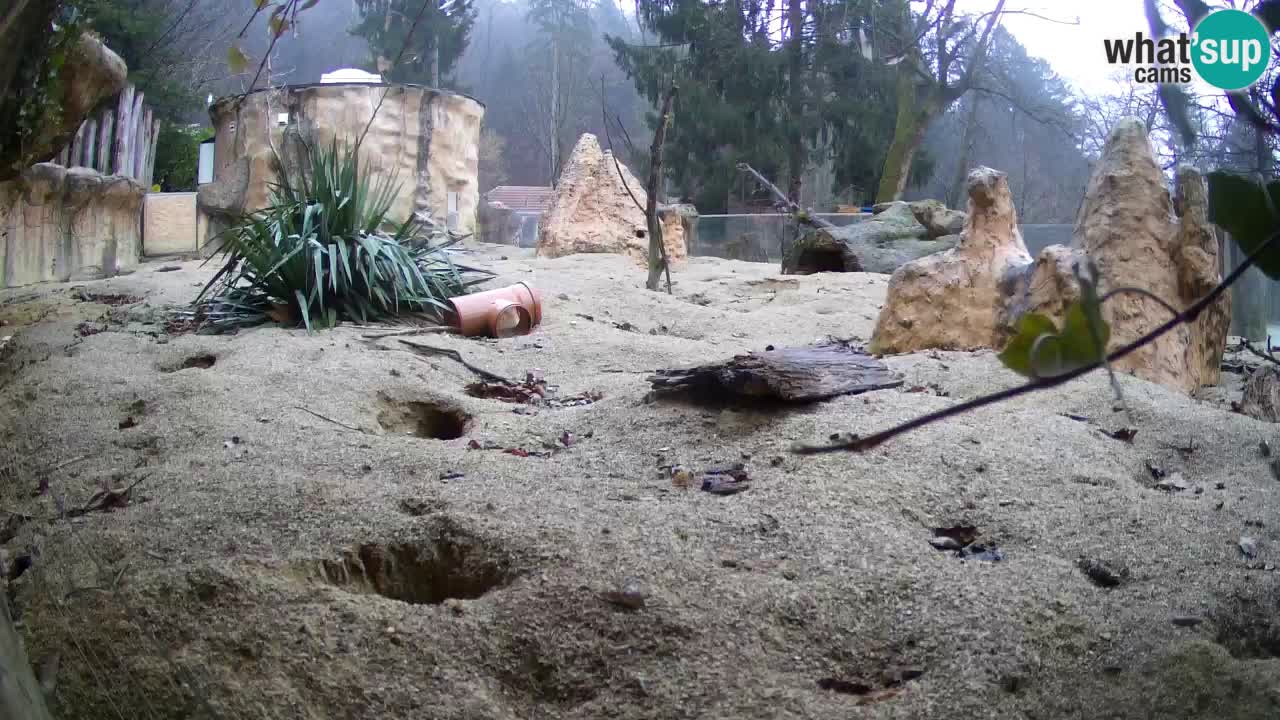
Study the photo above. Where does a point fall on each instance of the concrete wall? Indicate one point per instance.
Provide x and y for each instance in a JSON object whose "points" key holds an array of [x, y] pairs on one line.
{"points": [[59, 224], [172, 225], [428, 139]]}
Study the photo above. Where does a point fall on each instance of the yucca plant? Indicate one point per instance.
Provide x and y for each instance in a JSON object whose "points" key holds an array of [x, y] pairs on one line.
{"points": [[325, 251]]}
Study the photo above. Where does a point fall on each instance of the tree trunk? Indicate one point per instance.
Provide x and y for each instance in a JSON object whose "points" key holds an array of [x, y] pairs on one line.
{"points": [[657, 248], [917, 107], [955, 193], [795, 104], [555, 103]]}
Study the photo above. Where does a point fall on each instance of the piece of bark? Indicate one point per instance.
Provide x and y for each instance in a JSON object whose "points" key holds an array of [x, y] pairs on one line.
{"points": [[798, 374]]}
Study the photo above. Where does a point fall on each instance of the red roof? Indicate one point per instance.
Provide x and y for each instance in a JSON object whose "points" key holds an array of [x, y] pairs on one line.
{"points": [[522, 198]]}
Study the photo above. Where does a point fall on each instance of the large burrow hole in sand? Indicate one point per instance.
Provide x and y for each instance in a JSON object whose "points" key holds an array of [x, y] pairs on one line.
{"points": [[818, 260], [424, 419], [422, 573]]}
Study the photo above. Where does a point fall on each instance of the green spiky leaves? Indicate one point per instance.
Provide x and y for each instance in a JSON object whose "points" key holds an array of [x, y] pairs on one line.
{"points": [[326, 251]]}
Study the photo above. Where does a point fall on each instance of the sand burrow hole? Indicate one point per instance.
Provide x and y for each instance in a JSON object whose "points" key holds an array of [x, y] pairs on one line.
{"points": [[423, 418], [202, 361], [420, 573]]}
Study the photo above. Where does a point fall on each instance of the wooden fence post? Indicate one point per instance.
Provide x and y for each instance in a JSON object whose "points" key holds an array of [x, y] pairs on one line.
{"points": [[122, 131], [105, 135]]}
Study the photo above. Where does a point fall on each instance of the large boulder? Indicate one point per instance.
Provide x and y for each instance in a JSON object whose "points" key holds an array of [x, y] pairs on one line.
{"points": [[1129, 226], [498, 224], [937, 218], [958, 299], [597, 209], [880, 244]]}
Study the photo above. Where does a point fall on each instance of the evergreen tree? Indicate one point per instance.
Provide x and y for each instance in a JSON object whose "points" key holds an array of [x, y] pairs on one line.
{"points": [[415, 41], [775, 87]]}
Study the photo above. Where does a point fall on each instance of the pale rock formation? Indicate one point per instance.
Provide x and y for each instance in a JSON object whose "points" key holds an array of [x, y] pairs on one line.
{"points": [[1129, 228], [597, 211], [959, 299], [427, 140], [60, 224]]}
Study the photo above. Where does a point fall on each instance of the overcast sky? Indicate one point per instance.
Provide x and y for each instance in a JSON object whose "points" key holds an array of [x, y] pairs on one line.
{"points": [[1074, 51]]}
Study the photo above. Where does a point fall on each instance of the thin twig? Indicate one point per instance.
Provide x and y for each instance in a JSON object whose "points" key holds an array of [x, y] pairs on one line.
{"points": [[857, 444], [331, 420], [457, 356], [100, 499], [411, 331], [802, 216]]}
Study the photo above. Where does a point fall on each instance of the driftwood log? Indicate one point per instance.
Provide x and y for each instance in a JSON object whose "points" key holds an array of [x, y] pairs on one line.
{"points": [[801, 374]]}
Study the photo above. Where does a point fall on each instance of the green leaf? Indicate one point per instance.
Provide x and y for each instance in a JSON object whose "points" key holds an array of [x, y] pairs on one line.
{"points": [[1039, 350], [237, 60], [1238, 205], [1017, 354]]}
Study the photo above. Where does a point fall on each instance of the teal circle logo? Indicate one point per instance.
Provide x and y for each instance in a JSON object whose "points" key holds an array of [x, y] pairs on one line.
{"points": [[1232, 49]]}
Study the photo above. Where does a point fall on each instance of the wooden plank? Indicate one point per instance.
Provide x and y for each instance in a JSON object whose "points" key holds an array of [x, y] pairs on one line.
{"points": [[122, 131], [139, 139], [151, 153], [77, 148], [90, 143], [106, 133]]}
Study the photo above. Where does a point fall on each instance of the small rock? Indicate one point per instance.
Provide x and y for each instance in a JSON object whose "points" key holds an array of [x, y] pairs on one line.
{"points": [[452, 475], [629, 596], [1248, 547], [1100, 573], [170, 268], [563, 296], [945, 543], [1186, 620], [681, 476], [1173, 483]]}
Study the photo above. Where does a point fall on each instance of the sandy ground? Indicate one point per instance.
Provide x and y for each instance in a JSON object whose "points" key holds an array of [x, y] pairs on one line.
{"points": [[274, 564]]}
